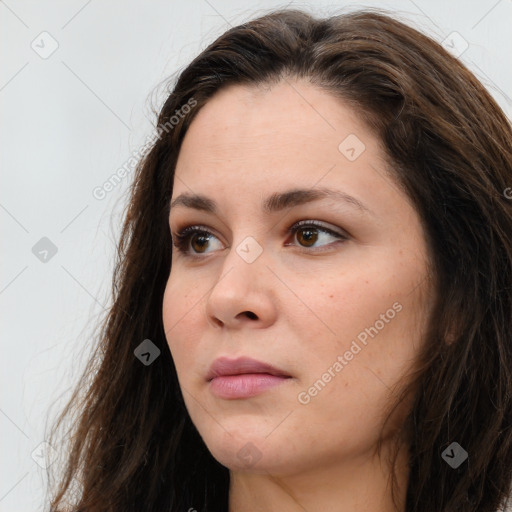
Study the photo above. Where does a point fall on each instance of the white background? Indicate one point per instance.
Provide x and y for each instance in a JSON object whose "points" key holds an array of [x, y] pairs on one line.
{"points": [[68, 122]]}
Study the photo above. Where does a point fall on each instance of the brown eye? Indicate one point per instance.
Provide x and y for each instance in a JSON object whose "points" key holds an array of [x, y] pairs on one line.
{"points": [[193, 236], [307, 236], [199, 241], [309, 232]]}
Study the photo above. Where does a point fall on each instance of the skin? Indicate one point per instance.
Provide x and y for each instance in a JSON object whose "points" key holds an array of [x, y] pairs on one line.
{"points": [[306, 307]]}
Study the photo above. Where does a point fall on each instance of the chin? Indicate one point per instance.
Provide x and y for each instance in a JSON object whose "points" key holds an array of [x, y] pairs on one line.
{"points": [[252, 452]]}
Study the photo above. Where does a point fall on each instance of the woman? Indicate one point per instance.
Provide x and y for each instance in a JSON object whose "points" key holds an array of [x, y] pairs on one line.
{"points": [[312, 301]]}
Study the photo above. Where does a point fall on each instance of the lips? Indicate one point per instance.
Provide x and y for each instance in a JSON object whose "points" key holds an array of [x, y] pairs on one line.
{"points": [[224, 366]]}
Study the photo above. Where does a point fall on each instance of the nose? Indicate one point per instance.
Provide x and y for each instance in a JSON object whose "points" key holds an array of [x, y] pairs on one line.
{"points": [[244, 291]]}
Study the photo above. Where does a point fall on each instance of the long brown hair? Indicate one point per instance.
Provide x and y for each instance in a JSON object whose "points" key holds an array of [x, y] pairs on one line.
{"points": [[133, 446]]}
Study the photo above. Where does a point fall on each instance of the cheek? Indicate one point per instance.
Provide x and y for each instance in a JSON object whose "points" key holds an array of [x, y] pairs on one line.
{"points": [[370, 334], [179, 315], [341, 308]]}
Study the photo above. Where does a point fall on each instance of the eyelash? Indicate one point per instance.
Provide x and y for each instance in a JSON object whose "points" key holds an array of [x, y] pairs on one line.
{"points": [[183, 236]]}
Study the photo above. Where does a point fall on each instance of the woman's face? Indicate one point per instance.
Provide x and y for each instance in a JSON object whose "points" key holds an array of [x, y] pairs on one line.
{"points": [[339, 307]]}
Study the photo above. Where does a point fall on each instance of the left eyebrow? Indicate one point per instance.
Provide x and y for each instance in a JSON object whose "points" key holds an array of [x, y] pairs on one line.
{"points": [[276, 202]]}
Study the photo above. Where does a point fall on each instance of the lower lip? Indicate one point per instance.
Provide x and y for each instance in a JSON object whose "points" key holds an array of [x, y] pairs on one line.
{"points": [[244, 386]]}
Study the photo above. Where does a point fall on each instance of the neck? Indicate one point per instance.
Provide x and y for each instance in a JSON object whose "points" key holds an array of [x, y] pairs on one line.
{"points": [[351, 486]]}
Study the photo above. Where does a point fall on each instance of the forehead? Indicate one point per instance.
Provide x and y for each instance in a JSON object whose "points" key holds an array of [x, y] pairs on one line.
{"points": [[289, 110], [292, 130]]}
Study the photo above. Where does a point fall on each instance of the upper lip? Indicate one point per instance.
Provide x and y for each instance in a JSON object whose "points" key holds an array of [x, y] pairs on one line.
{"points": [[225, 366]]}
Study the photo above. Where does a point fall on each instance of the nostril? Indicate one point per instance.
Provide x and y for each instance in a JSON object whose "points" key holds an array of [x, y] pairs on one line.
{"points": [[251, 315]]}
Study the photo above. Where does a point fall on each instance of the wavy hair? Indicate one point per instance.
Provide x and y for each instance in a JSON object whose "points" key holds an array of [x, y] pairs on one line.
{"points": [[132, 446]]}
